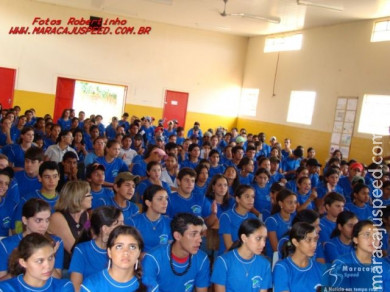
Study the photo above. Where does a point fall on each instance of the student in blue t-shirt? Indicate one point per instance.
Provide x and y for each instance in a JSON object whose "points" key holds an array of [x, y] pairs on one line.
{"points": [[34, 261], [262, 193], [95, 176], [49, 176], [305, 195], [65, 121], [153, 170], [124, 248], [184, 200], [230, 221], [181, 265], [202, 179], [292, 184], [331, 178], [154, 226], [243, 268], [153, 153], [193, 157], [334, 205], [111, 162], [299, 271], [246, 167], [90, 255], [340, 241], [281, 219], [28, 178], [360, 197], [124, 189], [36, 215], [215, 167], [363, 269], [7, 202], [313, 218]]}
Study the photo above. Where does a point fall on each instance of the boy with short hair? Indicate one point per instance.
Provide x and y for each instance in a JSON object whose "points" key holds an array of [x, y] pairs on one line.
{"points": [[193, 156], [179, 266], [27, 179], [124, 189], [334, 205], [49, 176], [184, 200], [95, 175]]}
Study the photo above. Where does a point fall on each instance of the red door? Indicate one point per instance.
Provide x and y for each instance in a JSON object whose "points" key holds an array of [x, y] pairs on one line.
{"points": [[175, 107], [7, 85], [64, 96]]}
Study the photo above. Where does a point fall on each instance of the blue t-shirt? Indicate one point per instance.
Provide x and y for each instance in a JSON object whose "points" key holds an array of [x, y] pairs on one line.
{"points": [[220, 208], [238, 274], [201, 191], [280, 226], [102, 281], [139, 167], [322, 190], [27, 184], [158, 273], [143, 185], [65, 125], [220, 169], [276, 177], [289, 277], [229, 223], [302, 198], [8, 244], [195, 204], [363, 213], [346, 185], [189, 163], [112, 168], [246, 180], [327, 228], [154, 233], [88, 259], [348, 272], [8, 211], [129, 211], [15, 154], [104, 193], [262, 200], [17, 284], [334, 248]]}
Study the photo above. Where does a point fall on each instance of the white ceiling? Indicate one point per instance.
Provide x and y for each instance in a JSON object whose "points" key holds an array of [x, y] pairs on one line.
{"points": [[205, 14]]}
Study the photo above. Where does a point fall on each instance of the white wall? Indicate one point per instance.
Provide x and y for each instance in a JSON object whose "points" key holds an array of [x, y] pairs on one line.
{"points": [[334, 61], [208, 65]]}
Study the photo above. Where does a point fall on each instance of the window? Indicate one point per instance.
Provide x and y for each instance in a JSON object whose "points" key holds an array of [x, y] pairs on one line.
{"points": [[99, 98], [375, 115], [248, 103], [381, 31], [286, 43], [300, 109]]}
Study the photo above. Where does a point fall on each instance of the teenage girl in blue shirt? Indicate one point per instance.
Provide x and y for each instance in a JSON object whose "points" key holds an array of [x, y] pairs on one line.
{"points": [[299, 271], [292, 185], [202, 179], [243, 268], [90, 256], [154, 226], [360, 197], [262, 193], [281, 219], [246, 167], [340, 241], [153, 171], [230, 221], [65, 121], [370, 272], [34, 261], [35, 218], [124, 248]]}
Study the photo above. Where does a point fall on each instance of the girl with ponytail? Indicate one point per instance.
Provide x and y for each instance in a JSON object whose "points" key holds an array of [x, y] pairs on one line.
{"points": [[243, 268], [299, 271]]}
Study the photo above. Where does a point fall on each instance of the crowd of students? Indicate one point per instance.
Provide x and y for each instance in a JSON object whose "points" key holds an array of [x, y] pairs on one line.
{"points": [[138, 207]]}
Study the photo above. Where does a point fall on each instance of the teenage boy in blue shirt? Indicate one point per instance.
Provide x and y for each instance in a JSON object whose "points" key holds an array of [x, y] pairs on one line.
{"points": [[179, 266]]}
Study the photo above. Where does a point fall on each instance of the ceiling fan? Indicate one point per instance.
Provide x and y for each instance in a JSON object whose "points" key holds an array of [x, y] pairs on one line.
{"points": [[246, 15], [319, 5]]}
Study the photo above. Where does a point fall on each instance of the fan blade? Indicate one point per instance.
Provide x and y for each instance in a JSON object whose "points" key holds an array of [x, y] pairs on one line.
{"points": [[257, 17], [319, 5]]}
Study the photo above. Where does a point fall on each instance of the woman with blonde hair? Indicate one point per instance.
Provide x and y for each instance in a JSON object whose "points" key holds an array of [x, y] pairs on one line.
{"points": [[71, 217]]}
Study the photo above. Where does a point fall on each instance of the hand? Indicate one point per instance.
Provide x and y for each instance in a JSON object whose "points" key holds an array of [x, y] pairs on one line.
{"points": [[214, 207], [313, 194]]}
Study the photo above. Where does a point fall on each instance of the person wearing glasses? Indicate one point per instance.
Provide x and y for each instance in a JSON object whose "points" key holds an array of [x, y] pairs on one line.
{"points": [[299, 271], [71, 218], [363, 268]]}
